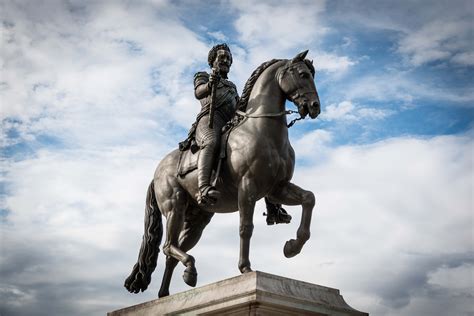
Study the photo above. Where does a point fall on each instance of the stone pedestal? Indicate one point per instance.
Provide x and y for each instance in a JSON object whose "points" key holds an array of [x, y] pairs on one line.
{"points": [[254, 293]]}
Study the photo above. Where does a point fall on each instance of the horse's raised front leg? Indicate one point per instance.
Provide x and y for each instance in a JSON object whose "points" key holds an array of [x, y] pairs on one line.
{"points": [[291, 194], [246, 200], [194, 224]]}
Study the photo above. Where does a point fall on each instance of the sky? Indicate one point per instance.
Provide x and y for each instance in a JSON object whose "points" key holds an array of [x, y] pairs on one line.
{"points": [[94, 94]]}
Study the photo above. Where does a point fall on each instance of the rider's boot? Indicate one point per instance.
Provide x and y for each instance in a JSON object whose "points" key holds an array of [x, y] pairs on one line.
{"points": [[207, 193], [276, 214]]}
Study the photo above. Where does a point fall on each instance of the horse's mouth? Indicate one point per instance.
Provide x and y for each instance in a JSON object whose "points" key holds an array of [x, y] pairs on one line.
{"points": [[303, 110], [314, 109], [314, 114]]}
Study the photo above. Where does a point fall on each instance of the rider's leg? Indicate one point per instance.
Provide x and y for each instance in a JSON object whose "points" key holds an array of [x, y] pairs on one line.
{"points": [[205, 164], [208, 140], [276, 214]]}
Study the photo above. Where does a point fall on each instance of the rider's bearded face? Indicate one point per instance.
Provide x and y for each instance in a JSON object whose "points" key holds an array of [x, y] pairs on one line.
{"points": [[222, 62]]}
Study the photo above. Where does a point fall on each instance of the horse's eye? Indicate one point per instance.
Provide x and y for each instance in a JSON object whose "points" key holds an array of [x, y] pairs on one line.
{"points": [[304, 74]]}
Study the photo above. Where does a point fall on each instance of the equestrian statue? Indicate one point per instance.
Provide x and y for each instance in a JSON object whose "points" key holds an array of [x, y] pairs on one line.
{"points": [[236, 153]]}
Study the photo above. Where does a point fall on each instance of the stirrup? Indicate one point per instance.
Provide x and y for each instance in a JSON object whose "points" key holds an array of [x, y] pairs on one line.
{"points": [[208, 196]]}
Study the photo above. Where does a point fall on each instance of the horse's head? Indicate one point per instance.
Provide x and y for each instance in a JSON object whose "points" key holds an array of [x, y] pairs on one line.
{"points": [[296, 79]]}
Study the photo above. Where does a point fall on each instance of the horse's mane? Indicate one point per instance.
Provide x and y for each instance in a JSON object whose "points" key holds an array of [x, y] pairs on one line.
{"points": [[244, 98]]}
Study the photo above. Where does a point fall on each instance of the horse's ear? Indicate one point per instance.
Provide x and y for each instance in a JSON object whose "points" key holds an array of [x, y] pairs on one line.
{"points": [[300, 57]]}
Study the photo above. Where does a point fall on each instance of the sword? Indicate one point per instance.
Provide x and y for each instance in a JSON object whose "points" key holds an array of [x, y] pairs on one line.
{"points": [[212, 106]]}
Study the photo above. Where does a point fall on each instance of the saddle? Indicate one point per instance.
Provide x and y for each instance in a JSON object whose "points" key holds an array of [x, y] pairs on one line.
{"points": [[189, 151]]}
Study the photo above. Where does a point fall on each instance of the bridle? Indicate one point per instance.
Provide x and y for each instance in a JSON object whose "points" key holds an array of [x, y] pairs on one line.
{"points": [[299, 91], [270, 115]]}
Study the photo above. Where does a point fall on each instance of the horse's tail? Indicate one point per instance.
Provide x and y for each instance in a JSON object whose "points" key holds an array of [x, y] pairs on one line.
{"points": [[140, 277]]}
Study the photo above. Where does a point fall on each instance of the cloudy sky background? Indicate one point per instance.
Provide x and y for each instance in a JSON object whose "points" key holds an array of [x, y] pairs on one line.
{"points": [[94, 94]]}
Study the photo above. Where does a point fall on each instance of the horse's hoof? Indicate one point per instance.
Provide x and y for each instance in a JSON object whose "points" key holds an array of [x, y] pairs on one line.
{"points": [[190, 276], [292, 248], [246, 270], [163, 294]]}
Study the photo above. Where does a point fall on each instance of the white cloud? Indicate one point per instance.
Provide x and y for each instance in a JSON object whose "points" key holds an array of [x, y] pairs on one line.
{"points": [[282, 31], [218, 36], [338, 111], [17, 297], [68, 222], [398, 86], [346, 110], [374, 114], [332, 63], [287, 25], [439, 40], [313, 145], [459, 278], [108, 79], [81, 70], [426, 33], [379, 212], [466, 58]]}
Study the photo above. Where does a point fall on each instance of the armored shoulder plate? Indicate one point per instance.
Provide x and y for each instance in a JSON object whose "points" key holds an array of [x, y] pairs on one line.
{"points": [[200, 78]]}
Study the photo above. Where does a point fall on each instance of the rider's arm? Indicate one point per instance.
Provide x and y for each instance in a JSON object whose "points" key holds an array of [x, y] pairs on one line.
{"points": [[202, 91], [202, 87]]}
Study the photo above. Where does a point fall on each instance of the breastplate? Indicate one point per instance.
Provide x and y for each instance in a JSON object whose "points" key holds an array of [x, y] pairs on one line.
{"points": [[226, 100]]}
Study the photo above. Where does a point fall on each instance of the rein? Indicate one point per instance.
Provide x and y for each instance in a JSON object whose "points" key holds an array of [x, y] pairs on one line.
{"points": [[299, 92], [269, 115]]}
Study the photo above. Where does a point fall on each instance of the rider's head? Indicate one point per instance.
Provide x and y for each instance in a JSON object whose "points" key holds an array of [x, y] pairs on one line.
{"points": [[220, 58]]}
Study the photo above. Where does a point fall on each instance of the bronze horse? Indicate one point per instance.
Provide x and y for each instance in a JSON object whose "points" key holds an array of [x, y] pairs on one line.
{"points": [[260, 163]]}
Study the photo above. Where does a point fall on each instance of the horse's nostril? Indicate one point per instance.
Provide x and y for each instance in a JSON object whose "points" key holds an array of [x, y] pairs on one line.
{"points": [[315, 103]]}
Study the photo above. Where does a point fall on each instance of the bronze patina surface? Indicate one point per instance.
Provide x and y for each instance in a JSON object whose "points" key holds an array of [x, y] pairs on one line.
{"points": [[259, 162]]}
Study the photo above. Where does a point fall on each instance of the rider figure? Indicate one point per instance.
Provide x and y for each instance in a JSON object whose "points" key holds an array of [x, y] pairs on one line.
{"points": [[225, 102], [208, 139]]}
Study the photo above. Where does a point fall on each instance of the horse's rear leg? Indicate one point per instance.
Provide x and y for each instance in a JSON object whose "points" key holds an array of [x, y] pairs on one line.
{"points": [[194, 224], [291, 194], [165, 283], [174, 204]]}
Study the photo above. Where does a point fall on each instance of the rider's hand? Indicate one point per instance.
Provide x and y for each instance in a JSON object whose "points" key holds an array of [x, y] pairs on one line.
{"points": [[210, 83], [212, 78]]}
